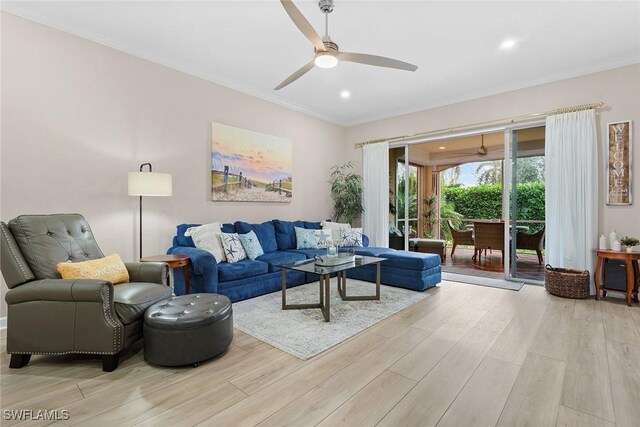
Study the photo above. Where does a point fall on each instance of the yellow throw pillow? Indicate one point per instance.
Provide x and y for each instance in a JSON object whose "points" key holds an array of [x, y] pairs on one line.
{"points": [[109, 268]]}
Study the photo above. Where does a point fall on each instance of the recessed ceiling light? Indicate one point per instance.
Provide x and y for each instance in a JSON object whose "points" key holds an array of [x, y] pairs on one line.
{"points": [[345, 94], [508, 44], [442, 148]]}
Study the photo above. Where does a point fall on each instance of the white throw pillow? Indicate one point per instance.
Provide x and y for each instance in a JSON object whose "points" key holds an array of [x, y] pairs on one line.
{"points": [[232, 245], [351, 237], [324, 237], [207, 237], [335, 228]]}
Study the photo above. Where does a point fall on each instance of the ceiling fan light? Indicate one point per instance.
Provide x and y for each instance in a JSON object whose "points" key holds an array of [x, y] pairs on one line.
{"points": [[325, 60]]}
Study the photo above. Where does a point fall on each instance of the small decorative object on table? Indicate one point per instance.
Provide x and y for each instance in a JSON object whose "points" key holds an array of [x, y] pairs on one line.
{"points": [[567, 283], [332, 251], [338, 259], [629, 242]]}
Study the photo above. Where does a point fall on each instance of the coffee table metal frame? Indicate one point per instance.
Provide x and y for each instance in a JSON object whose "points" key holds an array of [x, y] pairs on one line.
{"points": [[324, 282]]}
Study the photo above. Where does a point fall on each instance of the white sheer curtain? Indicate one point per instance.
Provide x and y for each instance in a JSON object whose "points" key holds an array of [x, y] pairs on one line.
{"points": [[571, 175], [375, 219]]}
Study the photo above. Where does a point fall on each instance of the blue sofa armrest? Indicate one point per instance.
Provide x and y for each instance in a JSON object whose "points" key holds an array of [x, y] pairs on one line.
{"points": [[365, 240], [203, 270]]}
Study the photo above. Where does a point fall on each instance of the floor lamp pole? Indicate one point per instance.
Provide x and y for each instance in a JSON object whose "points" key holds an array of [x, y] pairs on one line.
{"points": [[140, 226]]}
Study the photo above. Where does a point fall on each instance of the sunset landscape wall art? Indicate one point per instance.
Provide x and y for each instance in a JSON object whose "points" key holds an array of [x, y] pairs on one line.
{"points": [[249, 166]]}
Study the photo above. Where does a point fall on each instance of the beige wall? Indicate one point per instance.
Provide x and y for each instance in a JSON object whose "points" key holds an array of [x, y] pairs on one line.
{"points": [[618, 88], [77, 116]]}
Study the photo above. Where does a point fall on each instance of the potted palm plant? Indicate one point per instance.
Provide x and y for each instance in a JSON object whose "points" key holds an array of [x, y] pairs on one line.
{"points": [[346, 191]]}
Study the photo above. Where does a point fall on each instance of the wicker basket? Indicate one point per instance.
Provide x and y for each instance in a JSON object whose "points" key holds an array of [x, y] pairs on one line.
{"points": [[566, 283]]}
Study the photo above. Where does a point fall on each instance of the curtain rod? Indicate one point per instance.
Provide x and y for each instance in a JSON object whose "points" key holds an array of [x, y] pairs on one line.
{"points": [[493, 122]]}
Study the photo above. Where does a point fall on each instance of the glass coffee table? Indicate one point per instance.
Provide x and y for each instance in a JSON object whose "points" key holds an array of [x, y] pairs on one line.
{"points": [[325, 272]]}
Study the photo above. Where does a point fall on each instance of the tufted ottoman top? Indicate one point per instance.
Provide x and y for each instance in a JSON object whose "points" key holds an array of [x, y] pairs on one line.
{"points": [[188, 311]]}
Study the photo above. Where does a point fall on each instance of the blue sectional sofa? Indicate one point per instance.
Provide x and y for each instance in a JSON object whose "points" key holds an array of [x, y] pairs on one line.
{"points": [[249, 278]]}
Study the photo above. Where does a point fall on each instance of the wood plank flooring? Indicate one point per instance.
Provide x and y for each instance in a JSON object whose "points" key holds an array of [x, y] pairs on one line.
{"points": [[465, 356]]}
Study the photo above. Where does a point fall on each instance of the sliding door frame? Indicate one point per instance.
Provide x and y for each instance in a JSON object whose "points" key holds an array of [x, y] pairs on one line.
{"points": [[509, 188]]}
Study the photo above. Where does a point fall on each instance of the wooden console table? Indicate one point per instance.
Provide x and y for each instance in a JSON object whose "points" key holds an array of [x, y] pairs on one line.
{"points": [[633, 273]]}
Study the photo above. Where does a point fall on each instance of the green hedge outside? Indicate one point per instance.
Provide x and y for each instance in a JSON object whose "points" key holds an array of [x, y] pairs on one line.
{"points": [[485, 201]]}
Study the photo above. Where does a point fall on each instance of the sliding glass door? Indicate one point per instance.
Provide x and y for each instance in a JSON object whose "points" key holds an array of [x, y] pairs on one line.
{"points": [[523, 204]]}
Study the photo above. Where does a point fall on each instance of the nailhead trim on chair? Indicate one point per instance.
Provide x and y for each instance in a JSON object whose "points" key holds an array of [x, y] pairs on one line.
{"points": [[15, 256], [108, 316]]}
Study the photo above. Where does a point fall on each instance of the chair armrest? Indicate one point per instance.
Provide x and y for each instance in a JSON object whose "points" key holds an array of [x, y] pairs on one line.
{"points": [[69, 290], [365, 240], [151, 272]]}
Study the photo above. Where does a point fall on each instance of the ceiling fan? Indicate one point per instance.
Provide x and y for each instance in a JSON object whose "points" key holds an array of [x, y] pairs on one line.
{"points": [[327, 54], [482, 150]]}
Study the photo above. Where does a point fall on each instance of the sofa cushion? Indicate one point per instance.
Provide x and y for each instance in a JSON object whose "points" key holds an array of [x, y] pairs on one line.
{"points": [[183, 240], [285, 233], [309, 253], [313, 225], [411, 260], [276, 259], [241, 269], [266, 233], [132, 299], [373, 251]]}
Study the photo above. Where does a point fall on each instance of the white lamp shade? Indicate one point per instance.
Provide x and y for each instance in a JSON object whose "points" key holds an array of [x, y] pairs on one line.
{"points": [[149, 184]]}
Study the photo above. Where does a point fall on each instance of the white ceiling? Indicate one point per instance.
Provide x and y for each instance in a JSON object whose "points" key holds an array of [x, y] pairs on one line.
{"points": [[252, 46]]}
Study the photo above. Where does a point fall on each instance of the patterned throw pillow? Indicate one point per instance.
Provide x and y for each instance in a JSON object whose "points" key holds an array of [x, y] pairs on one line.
{"points": [[110, 268], [335, 228], [351, 237], [233, 247], [207, 237], [325, 239], [251, 245], [306, 238]]}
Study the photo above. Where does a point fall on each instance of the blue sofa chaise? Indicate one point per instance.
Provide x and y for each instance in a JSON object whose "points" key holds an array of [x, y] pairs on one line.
{"points": [[249, 278]]}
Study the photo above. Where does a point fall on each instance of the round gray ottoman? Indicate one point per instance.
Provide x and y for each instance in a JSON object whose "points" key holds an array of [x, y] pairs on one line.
{"points": [[187, 329]]}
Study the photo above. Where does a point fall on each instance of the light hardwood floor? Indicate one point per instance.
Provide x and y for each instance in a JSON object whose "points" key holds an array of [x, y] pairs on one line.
{"points": [[465, 356]]}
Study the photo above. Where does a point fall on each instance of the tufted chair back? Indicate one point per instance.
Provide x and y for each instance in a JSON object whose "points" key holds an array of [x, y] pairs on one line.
{"points": [[46, 240]]}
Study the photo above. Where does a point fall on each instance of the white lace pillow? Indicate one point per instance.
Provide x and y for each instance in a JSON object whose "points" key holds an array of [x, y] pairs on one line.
{"points": [[207, 237], [351, 237], [232, 245]]}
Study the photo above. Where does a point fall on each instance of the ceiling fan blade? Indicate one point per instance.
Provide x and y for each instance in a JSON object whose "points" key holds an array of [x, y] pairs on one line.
{"points": [[378, 61], [295, 76], [303, 25]]}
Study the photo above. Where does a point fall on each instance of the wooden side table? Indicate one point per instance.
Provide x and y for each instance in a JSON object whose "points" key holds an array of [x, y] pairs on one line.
{"points": [[633, 273], [174, 261]]}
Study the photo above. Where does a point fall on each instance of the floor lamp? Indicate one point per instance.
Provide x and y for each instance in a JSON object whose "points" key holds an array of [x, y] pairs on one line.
{"points": [[148, 184]]}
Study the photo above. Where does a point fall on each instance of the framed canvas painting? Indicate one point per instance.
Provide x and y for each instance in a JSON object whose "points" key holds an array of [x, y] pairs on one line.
{"points": [[248, 166], [619, 155]]}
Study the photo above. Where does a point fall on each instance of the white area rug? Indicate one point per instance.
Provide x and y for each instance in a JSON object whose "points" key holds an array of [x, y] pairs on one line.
{"points": [[304, 333]]}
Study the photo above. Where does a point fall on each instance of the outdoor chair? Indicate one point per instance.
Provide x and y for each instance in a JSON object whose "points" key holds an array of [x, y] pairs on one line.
{"points": [[459, 237], [531, 241], [488, 235]]}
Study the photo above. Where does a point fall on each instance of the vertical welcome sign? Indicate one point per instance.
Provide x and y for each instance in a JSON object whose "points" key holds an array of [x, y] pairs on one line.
{"points": [[619, 163]]}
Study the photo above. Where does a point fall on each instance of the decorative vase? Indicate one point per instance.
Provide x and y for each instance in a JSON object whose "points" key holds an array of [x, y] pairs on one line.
{"points": [[613, 236], [603, 243], [616, 246]]}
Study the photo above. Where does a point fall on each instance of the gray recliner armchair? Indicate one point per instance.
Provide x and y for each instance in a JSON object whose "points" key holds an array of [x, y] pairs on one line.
{"points": [[49, 315]]}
